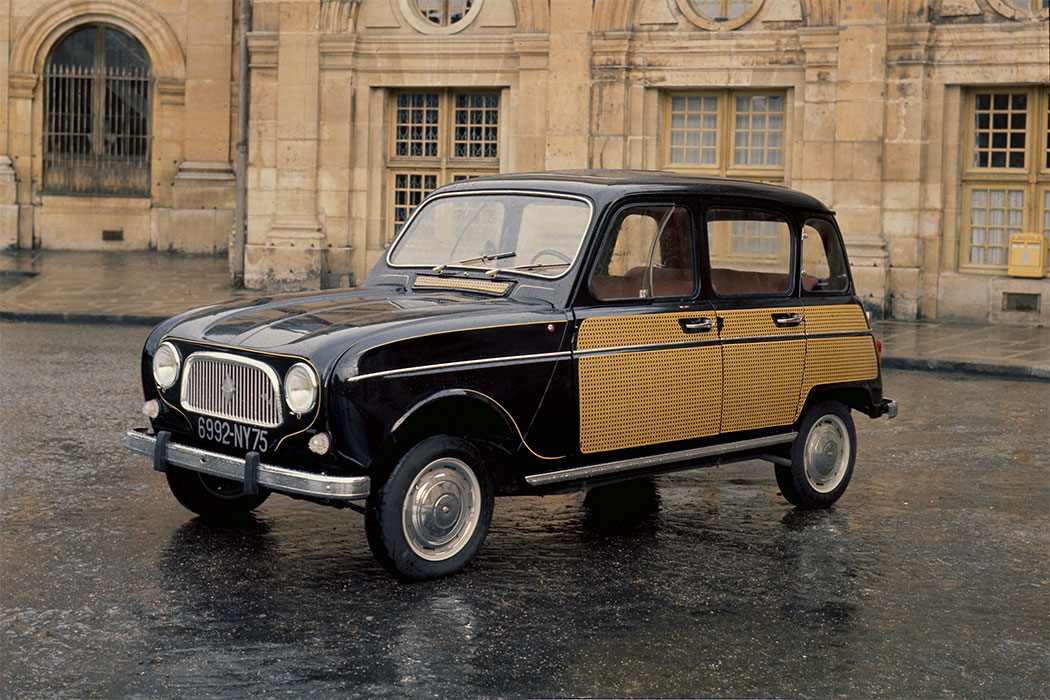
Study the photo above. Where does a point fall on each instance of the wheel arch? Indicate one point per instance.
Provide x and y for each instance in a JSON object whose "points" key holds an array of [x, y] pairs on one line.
{"points": [[858, 398], [462, 413]]}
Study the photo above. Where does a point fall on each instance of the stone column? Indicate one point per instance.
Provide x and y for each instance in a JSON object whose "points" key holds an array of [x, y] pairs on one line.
{"points": [[569, 85], [292, 255], [8, 189], [21, 87], [904, 165]]}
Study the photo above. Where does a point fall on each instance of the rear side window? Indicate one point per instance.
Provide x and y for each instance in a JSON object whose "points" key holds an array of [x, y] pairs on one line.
{"points": [[823, 263], [648, 254], [750, 252]]}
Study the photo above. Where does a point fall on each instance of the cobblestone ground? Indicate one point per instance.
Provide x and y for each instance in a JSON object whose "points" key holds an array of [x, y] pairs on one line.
{"points": [[929, 578]]}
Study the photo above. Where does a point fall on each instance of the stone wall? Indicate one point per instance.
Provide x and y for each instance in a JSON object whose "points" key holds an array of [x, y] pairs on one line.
{"points": [[875, 123]]}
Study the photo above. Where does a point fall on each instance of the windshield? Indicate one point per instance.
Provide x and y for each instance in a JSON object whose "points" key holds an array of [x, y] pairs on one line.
{"points": [[534, 234]]}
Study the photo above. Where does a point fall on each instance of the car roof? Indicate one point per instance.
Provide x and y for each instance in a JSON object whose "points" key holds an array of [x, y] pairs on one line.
{"points": [[601, 184]]}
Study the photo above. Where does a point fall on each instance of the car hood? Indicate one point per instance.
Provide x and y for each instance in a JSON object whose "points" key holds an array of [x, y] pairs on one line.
{"points": [[311, 324]]}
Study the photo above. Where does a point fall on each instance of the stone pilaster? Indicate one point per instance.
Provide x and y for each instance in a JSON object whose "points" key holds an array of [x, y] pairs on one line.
{"points": [[569, 85], [292, 254]]}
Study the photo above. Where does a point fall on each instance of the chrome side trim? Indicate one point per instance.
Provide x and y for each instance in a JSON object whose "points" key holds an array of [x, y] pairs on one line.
{"points": [[597, 470], [462, 363], [341, 488]]}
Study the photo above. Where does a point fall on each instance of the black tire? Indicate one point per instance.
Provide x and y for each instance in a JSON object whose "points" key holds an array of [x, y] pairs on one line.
{"points": [[822, 457], [211, 496], [432, 513]]}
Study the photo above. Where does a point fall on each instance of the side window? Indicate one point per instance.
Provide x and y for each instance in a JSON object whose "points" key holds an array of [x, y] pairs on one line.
{"points": [[648, 254], [750, 252], [823, 264]]}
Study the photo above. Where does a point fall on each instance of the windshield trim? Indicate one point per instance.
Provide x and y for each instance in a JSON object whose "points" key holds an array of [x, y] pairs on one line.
{"points": [[502, 270]]}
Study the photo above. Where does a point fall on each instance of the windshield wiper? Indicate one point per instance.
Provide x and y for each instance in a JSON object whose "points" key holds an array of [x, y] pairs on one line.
{"points": [[534, 266], [480, 258]]}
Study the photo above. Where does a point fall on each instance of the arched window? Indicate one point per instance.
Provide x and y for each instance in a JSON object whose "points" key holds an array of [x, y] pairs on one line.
{"points": [[97, 114], [443, 12]]}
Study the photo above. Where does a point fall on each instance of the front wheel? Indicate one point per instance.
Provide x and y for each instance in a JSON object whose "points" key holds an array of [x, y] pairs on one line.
{"points": [[822, 457], [212, 496], [432, 513]]}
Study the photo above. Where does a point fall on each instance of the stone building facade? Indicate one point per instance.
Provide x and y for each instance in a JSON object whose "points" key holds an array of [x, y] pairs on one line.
{"points": [[924, 123]]}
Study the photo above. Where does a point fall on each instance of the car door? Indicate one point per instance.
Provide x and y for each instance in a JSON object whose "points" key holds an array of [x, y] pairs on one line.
{"points": [[649, 367], [750, 252]]}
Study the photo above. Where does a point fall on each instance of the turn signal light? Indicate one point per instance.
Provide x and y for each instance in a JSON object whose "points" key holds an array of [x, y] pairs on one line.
{"points": [[878, 351]]}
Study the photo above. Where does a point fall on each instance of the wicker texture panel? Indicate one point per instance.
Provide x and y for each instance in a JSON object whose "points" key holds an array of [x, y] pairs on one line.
{"points": [[757, 322], [427, 282], [641, 329], [762, 382], [835, 319], [644, 398]]}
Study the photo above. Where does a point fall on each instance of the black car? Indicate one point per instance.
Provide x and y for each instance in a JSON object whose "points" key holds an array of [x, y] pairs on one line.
{"points": [[527, 334]]}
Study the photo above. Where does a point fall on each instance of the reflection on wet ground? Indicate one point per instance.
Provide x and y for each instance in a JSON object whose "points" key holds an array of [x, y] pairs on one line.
{"points": [[930, 578]]}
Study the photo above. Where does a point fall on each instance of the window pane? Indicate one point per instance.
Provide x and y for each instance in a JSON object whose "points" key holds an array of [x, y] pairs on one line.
{"points": [[750, 252], [476, 142], [999, 129], [416, 125], [649, 253], [694, 121], [994, 215], [759, 128]]}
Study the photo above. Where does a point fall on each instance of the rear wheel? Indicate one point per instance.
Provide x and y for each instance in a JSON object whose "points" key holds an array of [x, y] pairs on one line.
{"points": [[432, 513], [822, 457], [212, 496]]}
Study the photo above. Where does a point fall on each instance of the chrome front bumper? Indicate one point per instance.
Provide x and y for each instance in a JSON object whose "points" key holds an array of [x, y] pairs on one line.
{"points": [[280, 479]]}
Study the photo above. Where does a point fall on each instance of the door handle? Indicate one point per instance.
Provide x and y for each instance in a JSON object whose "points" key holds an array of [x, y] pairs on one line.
{"points": [[787, 320], [697, 325]]}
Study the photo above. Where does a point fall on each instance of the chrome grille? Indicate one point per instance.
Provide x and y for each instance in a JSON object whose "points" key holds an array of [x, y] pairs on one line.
{"points": [[228, 386]]}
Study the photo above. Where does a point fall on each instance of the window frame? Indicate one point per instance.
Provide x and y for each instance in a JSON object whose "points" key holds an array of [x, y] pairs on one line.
{"points": [[1033, 180], [444, 164], [725, 135]]}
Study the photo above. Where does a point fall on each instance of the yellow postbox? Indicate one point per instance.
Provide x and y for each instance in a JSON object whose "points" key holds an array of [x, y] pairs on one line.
{"points": [[1027, 255]]}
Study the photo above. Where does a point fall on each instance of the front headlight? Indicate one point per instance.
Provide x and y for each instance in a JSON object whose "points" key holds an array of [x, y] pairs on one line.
{"points": [[300, 388], [166, 363]]}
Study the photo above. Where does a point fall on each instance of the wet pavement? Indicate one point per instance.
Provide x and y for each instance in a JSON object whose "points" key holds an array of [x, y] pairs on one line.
{"points": [[930, 578]]}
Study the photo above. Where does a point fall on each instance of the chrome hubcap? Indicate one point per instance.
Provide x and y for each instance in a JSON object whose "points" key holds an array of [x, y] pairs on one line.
{"points": [[827, 453], [441, 509]]}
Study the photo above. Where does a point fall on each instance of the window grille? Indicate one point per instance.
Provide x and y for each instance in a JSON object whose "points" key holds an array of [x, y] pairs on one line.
{"points": [[97, 89], [437, 137]]}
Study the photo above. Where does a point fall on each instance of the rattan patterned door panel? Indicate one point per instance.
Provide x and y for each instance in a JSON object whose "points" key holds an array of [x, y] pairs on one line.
{"points": [[764, 352], [644, 380]]}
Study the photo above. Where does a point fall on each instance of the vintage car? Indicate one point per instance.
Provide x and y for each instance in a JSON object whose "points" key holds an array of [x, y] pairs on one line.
{"points": [[527, 334]]}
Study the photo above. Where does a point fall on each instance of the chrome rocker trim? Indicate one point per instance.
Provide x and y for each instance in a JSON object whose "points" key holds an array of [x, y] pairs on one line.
{"points": [[342, 488], [597, 470]]}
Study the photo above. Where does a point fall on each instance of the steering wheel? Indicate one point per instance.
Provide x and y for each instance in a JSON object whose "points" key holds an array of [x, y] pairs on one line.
{"points": [[550, 251]]}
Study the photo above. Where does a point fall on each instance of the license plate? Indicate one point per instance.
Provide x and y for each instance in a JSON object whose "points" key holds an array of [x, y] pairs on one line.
{"points": [[243, 437]]}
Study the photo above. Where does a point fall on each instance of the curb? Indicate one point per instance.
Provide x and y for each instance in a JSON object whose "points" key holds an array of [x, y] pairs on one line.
{"points": [[930, 364], [85, 318]]}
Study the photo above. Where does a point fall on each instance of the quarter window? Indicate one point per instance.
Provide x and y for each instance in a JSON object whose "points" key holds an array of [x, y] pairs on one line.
{"points": [[823, 262], [97, 114], [438, 137], [750, 252], [726, 133], [1007, 173]]}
